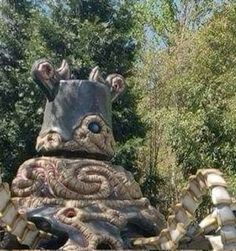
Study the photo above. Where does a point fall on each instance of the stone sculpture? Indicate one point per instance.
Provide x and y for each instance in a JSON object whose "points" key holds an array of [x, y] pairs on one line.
{"points": [[73, 198]]}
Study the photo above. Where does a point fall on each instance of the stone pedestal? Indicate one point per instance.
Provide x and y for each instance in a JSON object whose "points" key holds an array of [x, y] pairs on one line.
{"points": [[84, 203]]}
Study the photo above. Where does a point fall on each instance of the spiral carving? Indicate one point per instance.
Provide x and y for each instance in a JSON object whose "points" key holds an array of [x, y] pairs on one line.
{"points": [[74, 179], [109, 194], [86, 194]]}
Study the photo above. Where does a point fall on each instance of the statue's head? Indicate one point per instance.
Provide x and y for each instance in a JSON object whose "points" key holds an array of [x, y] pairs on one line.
{"points": [[77, 117]]}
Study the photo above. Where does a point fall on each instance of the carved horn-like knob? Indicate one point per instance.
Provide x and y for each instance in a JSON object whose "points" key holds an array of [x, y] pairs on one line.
{"points": [[117, 84], [64, 70], [96, 76], [48, 78]]}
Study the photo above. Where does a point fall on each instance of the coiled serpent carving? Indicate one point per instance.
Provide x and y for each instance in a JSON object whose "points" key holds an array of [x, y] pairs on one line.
{"points": [[222, 217]]}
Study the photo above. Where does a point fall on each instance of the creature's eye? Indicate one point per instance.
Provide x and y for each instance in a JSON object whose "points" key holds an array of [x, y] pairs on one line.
{"points": [[94, 127]]}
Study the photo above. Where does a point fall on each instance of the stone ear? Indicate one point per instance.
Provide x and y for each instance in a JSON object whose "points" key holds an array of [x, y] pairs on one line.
{"points": [[116, 83], [48, 78]]}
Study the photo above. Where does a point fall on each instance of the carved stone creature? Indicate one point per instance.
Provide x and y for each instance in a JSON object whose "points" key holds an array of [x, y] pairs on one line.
{"points": [[73, 192], [73, 198]]}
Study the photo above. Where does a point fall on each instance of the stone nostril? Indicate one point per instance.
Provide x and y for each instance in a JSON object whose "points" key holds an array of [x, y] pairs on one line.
{"points": [[69, 213]]}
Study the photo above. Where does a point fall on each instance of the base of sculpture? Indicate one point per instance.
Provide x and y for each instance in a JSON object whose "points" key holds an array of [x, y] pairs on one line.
{"points": [[84, 203]]}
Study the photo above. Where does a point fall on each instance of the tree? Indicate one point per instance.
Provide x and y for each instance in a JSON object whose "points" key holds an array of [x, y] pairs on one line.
{"points": [[203, 133], [165, 20], [187, 98]]}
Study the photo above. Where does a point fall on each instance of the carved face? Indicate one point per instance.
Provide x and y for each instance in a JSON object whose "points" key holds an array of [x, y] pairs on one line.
{"points": [[77, 116], [91, 136]]}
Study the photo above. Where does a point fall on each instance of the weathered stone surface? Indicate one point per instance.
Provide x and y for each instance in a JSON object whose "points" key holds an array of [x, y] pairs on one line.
{"points": [[87, 203], [74, 179]]}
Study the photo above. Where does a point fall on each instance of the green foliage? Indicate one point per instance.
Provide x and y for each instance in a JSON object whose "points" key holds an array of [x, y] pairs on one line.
{"points": [[187, 97], [86, 33], [164, 20], [203, 132]]}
